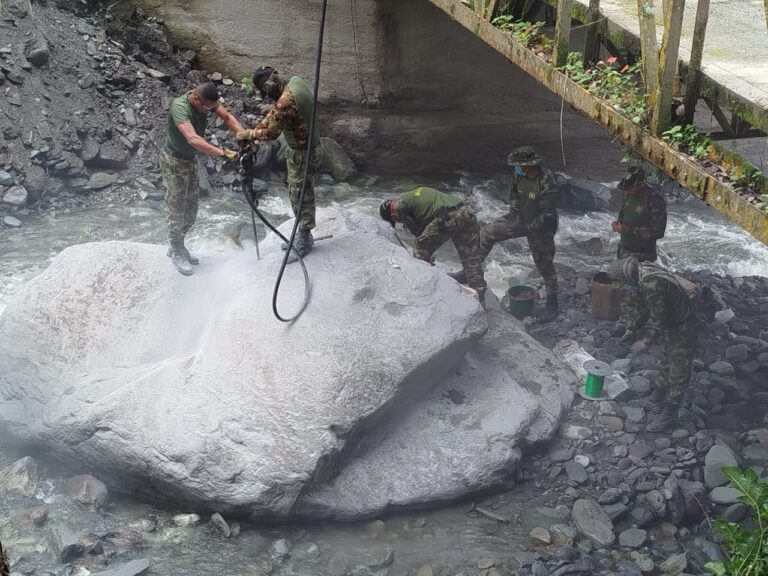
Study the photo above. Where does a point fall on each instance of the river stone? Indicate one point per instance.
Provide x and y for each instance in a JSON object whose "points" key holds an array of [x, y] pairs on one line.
{"points": [[737, 353], [16, 196], [718, 457], [64, 543], [633, 538], [674, 565], [11, 221], [5, 178], [37, 52], [461, 437], [217, 404], [576, 472], [133, 568], [336, 161], [592, 522], [721, 368], [87, 490], [101, 180], [724, 495], [20, 478]]}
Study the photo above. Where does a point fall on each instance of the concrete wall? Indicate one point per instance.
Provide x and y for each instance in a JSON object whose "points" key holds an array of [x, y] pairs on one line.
{"points": [[437, 97]]}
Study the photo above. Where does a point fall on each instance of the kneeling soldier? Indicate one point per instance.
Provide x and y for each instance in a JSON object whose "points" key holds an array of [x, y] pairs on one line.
{"points": [[434, 217]]}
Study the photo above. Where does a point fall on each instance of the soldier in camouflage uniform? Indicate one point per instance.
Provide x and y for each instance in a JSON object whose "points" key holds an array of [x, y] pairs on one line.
{"points": [[184, 138], [661, 306], [532, 213], [642, 221], [435, 217], [290, 117], [642, 218]]}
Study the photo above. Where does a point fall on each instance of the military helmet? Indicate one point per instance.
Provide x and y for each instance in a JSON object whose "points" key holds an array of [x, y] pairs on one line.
{"points": [[523, 155], [385, 211], [632, 178], [261, 75]]}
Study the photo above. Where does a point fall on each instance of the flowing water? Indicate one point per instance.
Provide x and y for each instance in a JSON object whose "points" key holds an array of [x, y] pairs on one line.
{"points": [[451, 537]]}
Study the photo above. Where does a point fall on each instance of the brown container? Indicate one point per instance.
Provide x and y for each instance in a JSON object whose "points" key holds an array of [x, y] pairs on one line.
{"points": [[606, 298]]}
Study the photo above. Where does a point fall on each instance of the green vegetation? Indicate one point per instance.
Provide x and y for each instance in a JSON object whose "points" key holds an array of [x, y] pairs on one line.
{"points": [[529, 34], [622, 89], [687, 140], [247, 83], [747, 550]]}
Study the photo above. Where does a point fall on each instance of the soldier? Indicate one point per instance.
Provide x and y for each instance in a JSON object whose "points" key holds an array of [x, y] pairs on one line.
{"points": [[434, 217], [532, 213], [664, 309], [642, 218], [291, 117], [184, 138]]}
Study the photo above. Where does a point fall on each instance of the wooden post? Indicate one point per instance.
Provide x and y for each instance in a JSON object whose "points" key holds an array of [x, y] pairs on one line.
{"points": [[562, 32], [649, 48], [693, 79], [592, 40], [766, 12], [479, 7], [493, 5], [670, 47]]}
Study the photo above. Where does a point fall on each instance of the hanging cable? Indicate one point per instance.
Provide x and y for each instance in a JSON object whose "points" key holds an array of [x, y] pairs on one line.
{"points": [[248, 193]]}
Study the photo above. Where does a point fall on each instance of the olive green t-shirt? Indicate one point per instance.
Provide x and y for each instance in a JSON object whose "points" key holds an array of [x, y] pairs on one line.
{"points": [[182, 111]]}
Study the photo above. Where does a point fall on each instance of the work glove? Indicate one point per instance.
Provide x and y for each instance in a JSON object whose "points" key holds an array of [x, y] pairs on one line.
{"points": [[243, 136], [639, 346], [620, 227], [230, 155]]}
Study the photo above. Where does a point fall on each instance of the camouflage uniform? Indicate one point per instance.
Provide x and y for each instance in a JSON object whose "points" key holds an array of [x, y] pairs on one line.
{"points": [[181, 195], [290, 117], [532, 213], [435, 217], [646, 216], [661, 305]]}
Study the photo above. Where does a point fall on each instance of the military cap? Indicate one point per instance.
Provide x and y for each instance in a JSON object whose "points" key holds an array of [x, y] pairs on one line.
{"points": [[261, 75], [523, 155], [633, 177]]}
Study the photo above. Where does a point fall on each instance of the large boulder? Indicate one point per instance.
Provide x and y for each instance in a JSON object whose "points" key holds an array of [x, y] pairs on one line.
{"points": [[466, 435], [190, 385]]}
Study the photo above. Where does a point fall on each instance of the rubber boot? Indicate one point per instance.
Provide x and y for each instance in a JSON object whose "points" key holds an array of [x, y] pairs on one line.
{"points": [[181, 249], [551, 310], [305, 243], [665, 419], [655, 401], [179, 260], [460, 276]]}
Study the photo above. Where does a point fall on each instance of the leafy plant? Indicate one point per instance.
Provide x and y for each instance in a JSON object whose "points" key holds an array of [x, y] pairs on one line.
{"points": [[247, 83], [529, 34], [747, 550], [688, 140]]}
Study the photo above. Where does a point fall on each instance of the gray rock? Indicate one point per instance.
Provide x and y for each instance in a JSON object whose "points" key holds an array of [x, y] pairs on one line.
{"points": [[336, 161], [563, 534], [582, 286], [633, 538], [86, 29], [185, 520], [621, 365], [610, 496], [37, 52], [735, 512], [280, 550], [18, 8], [130, 117], [628, 568], [101, 180], [718, 457], [737, 353], [5, 178], [724, 316], [656, 503], [37, 516], [674, 565], [640, 450], [112, 156], [724, 495], [756, 453], [11, 222], [20, 478], [721, 368], [87, 490], [541, 535], [63, 542], [611, 423], [132, 568], [373, 306], [562, 455], [592, 522], [221, 524], [641, 516], [576, 472], [16, 196]]}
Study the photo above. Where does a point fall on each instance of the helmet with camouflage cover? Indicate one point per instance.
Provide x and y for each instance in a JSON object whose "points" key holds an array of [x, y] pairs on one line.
{"points": [[634, 176], [522, 156]]}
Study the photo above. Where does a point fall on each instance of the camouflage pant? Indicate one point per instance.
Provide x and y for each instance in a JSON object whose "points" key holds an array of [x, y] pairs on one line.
{"points": [[679, 348], [462, 228], [181, 195], [295, 165], [641, 256], [541, 242]]}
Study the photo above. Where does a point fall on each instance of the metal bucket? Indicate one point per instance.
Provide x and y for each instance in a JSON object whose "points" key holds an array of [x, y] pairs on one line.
{"points": [[521, 300]]}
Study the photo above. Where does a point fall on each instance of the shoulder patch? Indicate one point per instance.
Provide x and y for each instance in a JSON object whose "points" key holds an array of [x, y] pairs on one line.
{"points": [[417, 192]]}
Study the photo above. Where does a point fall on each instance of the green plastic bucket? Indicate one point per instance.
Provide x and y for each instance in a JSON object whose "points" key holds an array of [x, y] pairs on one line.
{"points": [[521, 299]]}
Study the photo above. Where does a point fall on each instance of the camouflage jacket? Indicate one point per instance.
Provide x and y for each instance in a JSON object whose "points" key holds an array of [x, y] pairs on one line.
{"points": [[657, 213], [661, 301], [284, 116], [532, 199]]}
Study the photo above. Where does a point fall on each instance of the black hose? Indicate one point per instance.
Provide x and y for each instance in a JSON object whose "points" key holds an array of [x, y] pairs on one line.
{"points": [[307, 159]]}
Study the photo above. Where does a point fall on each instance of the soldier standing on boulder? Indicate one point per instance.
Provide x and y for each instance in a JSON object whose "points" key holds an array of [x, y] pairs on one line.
{"points": [[642, 218], [187, 120], [291, 117], [434, 217], [668, 315], [532, 213]]}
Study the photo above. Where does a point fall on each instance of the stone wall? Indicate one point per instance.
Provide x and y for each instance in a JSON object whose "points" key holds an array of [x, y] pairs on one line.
{"points": [[419, 92]]}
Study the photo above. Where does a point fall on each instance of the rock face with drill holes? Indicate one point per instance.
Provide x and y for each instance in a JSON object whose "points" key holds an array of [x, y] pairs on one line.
{"points": [[190, 385]]}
